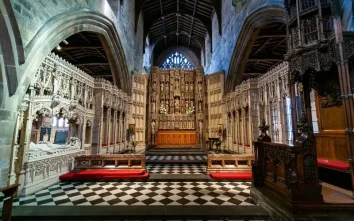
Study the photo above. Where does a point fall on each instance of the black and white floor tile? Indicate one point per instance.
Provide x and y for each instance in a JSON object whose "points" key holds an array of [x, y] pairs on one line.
{"points": [[176, 168], [177, 157], [141, 193]]}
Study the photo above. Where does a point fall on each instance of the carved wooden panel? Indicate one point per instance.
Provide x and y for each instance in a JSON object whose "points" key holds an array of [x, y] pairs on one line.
{"points": [[229, 162], [331, 141], [176, 138], [333, 146]]}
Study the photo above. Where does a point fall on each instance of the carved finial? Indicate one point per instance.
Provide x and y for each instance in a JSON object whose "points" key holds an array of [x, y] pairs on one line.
{"points": [[304, 125], [263, 127]]}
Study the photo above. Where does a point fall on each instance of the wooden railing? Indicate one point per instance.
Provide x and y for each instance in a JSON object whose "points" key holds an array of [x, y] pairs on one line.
{"points": [[8, 192], [229, 162], [110, 161], [290, 171]]}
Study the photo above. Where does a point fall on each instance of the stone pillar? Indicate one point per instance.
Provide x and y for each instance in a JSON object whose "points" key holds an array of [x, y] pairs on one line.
{"points": [[253, 117], [243, 128], [114, 134], [23, 149], [124, 128], [83, 132], [108, 128], [97, 124], [237, 128], [120, 136]]}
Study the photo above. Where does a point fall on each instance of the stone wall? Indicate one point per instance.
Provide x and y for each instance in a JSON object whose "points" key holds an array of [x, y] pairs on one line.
{"points": [[232, 22]]}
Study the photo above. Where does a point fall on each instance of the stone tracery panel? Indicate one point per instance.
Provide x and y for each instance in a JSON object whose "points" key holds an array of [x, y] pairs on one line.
{"points": [[265, 97], [63, 99]]}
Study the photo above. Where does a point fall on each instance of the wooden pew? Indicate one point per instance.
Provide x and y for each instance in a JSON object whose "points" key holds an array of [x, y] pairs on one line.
{"points": [[110, 161], [229, 163], [111, 167]]}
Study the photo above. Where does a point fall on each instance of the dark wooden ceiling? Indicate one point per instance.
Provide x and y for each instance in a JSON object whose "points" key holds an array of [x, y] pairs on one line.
{"points": [[268, 50], [170, 23], [85, 51]]}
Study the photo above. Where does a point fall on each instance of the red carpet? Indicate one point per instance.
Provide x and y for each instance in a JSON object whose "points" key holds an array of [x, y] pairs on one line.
{"points": [[231, 176], [95, 175], [333, 164]]}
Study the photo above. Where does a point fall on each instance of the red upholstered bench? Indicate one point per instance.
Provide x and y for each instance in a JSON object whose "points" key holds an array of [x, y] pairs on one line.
{"points": [[333, 165], [231, 175], [98, 175]]}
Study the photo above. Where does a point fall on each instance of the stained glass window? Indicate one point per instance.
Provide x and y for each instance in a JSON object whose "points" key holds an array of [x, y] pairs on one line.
{"points": [[177, 61]]}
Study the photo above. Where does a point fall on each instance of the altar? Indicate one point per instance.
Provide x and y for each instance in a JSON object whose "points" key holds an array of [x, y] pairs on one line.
{"points": [[176, 138]]}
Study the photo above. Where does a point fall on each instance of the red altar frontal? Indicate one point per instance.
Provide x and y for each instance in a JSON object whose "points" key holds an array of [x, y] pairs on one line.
{"points": [[176, 138]]}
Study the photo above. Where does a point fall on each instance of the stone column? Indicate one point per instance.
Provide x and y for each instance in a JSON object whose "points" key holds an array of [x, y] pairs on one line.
{"points": [[243, 127], [120, 136], [23, 149], [237, 127], [83, 132], [114, 130], [108, 128], [232, 130], [98, 122], [124, 128]]}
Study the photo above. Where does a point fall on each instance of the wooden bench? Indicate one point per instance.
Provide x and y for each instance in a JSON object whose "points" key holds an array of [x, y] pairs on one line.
{"points": [[110, 161], [110, 167], [333, 164], [230, 166]]}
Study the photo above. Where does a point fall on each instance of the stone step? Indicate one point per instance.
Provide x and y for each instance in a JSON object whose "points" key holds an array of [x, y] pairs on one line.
{"points": [[176, 161], [154, 177], [115, 213], [173, 159]]}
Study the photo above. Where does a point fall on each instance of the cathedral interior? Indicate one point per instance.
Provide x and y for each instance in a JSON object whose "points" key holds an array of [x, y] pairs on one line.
{"points": [[177, 110]]}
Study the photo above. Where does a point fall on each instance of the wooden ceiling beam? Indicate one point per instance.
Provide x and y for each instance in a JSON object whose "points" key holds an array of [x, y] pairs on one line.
{"points": [[72, 47], [272, 36], [91, 64], [192, 24], [163, 23], [80, 33], [260, 48]]}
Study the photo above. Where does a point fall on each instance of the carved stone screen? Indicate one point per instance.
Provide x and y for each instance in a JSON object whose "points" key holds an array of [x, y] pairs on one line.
{"points": [[176, 107]]}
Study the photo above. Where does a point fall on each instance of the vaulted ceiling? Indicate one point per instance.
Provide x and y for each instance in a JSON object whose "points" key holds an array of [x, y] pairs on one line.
{"points": [[85, 51], [171, 23]]}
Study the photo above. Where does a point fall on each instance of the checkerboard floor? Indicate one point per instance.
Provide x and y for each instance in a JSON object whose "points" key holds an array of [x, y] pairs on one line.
{"points": [[141, 193], [176, 168], [177, 157]]}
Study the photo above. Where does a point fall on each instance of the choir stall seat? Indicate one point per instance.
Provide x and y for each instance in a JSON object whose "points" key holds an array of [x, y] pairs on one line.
{"points": [[111, 167], [240, 176], [104, 175], [333, 165], [233, 167]]}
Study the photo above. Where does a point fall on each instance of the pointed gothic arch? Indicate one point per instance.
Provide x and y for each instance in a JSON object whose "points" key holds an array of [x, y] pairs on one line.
{"points": [[61, 27]]}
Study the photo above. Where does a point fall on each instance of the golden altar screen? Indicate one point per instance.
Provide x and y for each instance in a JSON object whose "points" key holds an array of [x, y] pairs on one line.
{"points": [[176, 104]]}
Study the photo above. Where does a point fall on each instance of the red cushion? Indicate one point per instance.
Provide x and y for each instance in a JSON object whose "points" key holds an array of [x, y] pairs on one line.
{"points": [[104, 172], [231, 176], [332, 163], [143, 176], [79, 176], [100, 174]]}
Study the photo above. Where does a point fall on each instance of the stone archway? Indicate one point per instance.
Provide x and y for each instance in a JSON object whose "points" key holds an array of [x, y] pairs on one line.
{"points": [[252, 25], [11, 55], [61, 27]]}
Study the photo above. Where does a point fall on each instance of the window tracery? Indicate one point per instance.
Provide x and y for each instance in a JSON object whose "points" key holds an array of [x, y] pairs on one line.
{"points": [[177, 61]]}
